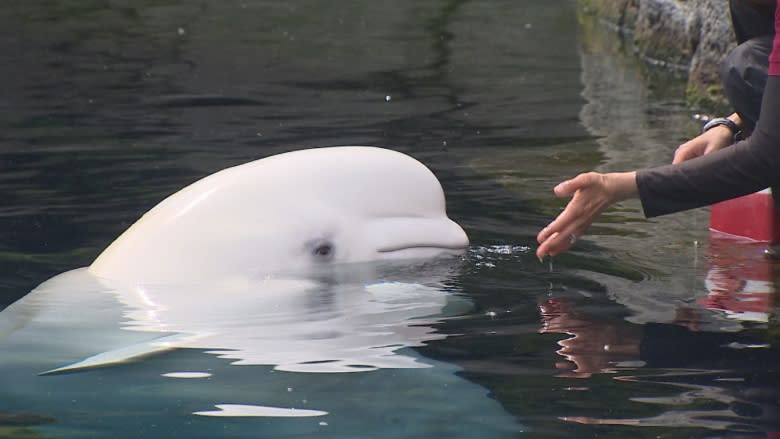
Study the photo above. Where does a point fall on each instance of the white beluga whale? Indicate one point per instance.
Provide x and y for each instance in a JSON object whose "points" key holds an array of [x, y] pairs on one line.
{"points": [[271, 262], [327, 260], [290, 212]]}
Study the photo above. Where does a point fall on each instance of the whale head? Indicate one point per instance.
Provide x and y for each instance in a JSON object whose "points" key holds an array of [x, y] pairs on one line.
{"points": [[291, 212]]}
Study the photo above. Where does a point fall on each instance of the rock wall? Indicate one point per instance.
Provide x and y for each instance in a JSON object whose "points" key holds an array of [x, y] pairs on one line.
{"points": [[690, 36]]}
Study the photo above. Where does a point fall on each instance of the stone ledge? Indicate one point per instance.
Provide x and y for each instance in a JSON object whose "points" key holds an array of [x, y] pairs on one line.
{"points": [[690, 36]]}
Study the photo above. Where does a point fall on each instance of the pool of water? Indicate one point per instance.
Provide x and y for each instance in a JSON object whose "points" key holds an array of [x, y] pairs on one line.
{"points": [[646, 329]]}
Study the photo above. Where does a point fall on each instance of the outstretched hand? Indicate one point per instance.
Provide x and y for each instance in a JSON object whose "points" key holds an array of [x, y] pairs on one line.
{"points": [[591, 194]]}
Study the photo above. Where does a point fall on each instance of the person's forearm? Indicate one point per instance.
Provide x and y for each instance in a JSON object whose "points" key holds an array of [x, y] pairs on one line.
{"points": [[697, 182], [746, 167], [624, 185]]}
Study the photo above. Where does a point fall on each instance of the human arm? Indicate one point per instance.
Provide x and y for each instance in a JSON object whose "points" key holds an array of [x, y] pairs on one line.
{"points": [[746, 167], [715, 138]]}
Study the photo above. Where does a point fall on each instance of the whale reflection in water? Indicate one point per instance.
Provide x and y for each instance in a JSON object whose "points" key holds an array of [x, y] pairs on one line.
{"points": [[293, 325]]}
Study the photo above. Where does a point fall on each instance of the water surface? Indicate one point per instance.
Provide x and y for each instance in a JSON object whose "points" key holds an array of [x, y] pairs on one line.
{"points": [[647, 328]]}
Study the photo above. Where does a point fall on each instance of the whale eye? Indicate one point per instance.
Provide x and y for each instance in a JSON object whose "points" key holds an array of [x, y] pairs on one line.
{"points": [[321, 249]]}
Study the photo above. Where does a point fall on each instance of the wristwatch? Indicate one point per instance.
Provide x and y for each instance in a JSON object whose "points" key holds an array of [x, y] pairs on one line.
{"points": [[728, 123]]}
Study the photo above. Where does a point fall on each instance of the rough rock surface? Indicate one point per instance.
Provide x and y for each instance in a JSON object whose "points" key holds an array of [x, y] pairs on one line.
{"points": [[691, 36]]}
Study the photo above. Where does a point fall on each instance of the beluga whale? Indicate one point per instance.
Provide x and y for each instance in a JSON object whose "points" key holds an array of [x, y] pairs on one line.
{"points": [[291, 212], [288, 245], [304, 268]]}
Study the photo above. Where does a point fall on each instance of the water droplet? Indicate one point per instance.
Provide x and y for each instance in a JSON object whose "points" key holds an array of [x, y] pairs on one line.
{"points": [[388, 98]]}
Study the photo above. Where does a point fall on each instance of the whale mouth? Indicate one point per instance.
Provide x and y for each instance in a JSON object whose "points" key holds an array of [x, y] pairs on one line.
{"points": [[421, 251], [423, 247]]}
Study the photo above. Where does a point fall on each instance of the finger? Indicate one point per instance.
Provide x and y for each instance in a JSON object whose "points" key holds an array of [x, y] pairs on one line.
{"points": [[563, 189], [545, 233], [563, 232], [568, 221], [546, 246], [561, 222], [556, 244], [554, 238], [682, 155], [569, 187], [552, 230]]}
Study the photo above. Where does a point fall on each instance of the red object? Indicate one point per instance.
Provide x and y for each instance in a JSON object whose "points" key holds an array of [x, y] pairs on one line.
{"points": [[753, 217]]}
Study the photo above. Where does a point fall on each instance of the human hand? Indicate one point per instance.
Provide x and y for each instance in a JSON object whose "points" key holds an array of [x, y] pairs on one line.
{"points": [[591, 194], [711, 140]]}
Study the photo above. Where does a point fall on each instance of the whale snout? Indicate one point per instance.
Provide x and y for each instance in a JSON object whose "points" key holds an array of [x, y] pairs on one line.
{"points": [[419, 237]]}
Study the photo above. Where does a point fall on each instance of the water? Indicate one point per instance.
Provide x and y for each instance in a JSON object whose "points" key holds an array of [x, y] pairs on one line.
{"points": [[648, 328]]}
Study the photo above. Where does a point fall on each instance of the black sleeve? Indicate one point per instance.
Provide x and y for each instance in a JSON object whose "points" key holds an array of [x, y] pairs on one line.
{"points": [[748, 166]]}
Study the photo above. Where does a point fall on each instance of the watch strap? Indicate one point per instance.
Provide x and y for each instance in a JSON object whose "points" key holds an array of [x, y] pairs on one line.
{"points": [[722, 121]]}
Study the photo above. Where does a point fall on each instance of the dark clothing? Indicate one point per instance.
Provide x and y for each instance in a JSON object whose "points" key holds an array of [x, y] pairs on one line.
{"points": [[751, 20], [744, 70], [749, 165], [743, 75]]}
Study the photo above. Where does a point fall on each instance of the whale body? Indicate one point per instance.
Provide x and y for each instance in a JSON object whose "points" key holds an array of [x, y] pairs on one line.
{"points": [[298, 267], [293, 246]]}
